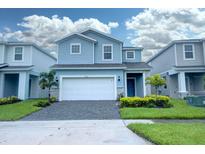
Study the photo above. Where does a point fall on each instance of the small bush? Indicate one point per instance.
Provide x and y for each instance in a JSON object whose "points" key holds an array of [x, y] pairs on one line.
{"points": [[148, 101], [53, 99], [42, 104], [9, 100], [161, 101]]}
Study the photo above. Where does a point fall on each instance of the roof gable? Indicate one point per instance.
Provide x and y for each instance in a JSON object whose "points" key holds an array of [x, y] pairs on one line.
{"points": [[101, 34], [29, 44], [171, 44], [78, 35]]}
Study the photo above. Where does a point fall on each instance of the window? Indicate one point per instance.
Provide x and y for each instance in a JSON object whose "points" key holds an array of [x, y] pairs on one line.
{"points": [[188, 51], [130, 54], [18, 54], [75, 48], [107, 52]]}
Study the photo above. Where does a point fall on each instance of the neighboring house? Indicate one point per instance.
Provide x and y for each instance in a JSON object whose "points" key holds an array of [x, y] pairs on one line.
{"points": [[95, 66], [20, 66], [182, 64]]}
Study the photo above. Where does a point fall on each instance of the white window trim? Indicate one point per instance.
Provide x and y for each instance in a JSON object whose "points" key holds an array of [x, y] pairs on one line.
{"points": [[71, 48], [111, 52], [130, 58], [14, 51], [192, 51]]}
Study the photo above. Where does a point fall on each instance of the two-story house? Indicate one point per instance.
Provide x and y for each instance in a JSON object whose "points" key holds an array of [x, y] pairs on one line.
{"points": [[182, 64], [93, 65], [20, 67]]}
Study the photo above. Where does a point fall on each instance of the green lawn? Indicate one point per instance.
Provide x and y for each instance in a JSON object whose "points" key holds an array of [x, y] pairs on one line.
{"points": [[180, 111], [171, 133], [18, 110]]}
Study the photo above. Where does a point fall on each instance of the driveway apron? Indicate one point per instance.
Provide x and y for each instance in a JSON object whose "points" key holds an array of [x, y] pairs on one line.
{"points": [[70, 132]]}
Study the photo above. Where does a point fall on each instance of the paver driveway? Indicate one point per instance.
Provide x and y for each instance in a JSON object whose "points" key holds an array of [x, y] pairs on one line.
{"points": [[71, 132], [77, 110]]}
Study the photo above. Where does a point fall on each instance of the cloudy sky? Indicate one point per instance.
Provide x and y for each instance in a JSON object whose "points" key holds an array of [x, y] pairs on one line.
{"points": [[148, 28]]}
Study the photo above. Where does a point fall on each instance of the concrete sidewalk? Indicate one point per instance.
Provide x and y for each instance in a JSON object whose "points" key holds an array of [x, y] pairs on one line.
{"points": [[71, 132]]}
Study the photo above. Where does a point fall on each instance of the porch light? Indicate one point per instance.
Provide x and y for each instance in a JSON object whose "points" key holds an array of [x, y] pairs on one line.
{"points": [[118, 78]]}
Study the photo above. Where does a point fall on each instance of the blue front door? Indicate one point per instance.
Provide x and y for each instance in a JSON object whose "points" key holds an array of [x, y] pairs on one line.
{"points": [[130, 87]]}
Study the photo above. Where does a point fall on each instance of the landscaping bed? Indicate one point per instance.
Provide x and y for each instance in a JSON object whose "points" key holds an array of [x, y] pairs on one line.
{"points": [[151, 101], [9, 100], [172, 133], [180, 110]]}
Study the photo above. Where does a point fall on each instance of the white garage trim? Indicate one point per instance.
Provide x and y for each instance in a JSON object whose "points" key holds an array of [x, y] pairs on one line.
{"points": [[86, 76]]}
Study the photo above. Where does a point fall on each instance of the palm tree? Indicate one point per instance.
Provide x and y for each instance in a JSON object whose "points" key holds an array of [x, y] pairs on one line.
{"points": [[47, 80]]}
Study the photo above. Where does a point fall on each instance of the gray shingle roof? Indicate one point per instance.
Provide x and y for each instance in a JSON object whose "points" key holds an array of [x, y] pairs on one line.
{"points": [[189, 66], [132, 48], [17, 67], [138, 65], [2, 65]]}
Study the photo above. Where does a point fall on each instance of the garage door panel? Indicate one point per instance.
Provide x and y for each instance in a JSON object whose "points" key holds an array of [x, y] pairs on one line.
{"points": [[88, 88]]}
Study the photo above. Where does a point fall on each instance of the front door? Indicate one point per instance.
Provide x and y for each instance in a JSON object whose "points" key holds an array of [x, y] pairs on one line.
{"points": [[131, 87]]}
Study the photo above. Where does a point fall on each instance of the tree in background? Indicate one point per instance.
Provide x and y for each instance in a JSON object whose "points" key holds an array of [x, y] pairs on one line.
{"points": [[47, 81], [156, 81]]}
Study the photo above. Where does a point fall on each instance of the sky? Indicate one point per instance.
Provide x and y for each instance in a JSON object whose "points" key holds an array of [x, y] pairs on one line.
{"points": [[151, 29]]}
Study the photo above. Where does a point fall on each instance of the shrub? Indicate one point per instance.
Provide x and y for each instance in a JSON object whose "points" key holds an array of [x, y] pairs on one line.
{"points": [[133, 102], [161, 101], [148, 101], [53, 99], [42, 104], [9, 100]]}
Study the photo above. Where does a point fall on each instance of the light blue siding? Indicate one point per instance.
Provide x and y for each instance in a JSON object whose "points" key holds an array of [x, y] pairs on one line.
{"points": [[41, 61], [93, 53], [9, 55], [94, 72], [32, 55], [198, 50], [2, 53], [164, 62], [137, 56], [86, 56], [117, 48]]}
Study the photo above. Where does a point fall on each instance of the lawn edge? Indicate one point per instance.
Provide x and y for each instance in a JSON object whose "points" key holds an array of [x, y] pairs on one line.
{"points": [[142, 135], [19, 118]]}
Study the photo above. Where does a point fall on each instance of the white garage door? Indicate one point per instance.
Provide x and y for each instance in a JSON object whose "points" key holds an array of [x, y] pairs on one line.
{"points": [[89, 88]]}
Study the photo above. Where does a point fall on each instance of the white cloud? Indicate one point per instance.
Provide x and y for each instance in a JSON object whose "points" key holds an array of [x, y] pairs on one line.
{"points": [[44, 30], [155, 28], [113, 24]]}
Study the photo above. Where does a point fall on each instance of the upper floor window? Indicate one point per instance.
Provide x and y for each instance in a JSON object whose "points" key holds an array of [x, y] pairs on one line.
{"points": [[107, 52], [75, 48], [189, 52], [130, 55], [18, 54]]}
